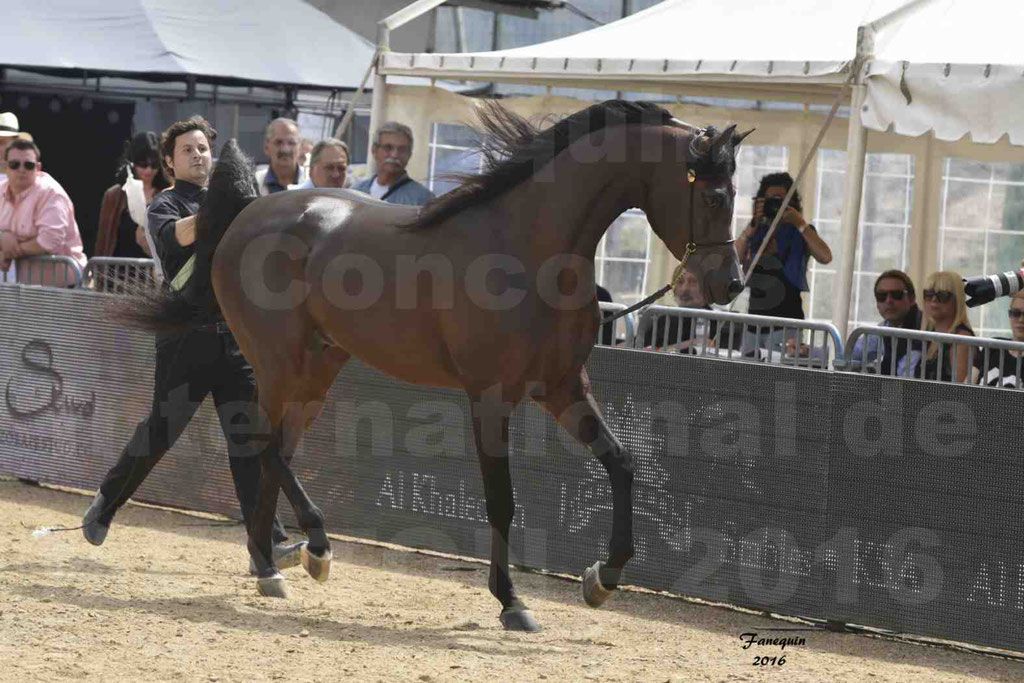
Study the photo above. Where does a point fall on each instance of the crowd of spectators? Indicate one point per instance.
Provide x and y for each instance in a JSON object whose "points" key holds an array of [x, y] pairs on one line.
{"points": [[37, 216]]}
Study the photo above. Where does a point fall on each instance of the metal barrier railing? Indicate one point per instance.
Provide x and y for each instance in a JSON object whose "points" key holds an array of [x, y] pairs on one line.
{"points": [[990, 362], [609, 333], [737, 336], [119, 275], [46, 270]]}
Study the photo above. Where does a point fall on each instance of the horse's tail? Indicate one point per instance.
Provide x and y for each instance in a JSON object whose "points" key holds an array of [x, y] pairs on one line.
{"points": [[232, 188]]}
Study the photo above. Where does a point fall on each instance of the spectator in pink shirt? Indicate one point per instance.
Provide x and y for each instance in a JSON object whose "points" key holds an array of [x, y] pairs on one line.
{"points": [[36, 217]]}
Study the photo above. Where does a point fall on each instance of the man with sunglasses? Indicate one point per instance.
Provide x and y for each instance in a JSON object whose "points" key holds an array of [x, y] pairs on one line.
{"points": [[36, 216], [897, 304]]}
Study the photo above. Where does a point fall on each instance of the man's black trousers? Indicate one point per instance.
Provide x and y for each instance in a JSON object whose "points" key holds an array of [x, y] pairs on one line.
{"points": [[190, 366]]}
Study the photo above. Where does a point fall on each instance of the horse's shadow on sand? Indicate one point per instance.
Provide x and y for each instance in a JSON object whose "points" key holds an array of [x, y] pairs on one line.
{"points": [[217, 610]]}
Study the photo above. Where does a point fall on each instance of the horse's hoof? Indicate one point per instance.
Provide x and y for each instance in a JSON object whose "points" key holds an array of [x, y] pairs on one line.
{"points": [[594, 592], [519, 620], [273, 586], [317, 566], [285, 556]]}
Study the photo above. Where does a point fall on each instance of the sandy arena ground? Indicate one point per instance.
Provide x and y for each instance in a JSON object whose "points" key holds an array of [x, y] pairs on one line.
{"points": [[167, 599]]}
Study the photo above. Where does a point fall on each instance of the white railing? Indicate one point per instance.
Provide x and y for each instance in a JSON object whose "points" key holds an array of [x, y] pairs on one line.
{"points": [[911, 363], [735, 336]]}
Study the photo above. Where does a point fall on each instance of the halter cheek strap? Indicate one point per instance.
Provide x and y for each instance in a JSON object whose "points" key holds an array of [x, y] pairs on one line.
{"points": [[691, 248]]}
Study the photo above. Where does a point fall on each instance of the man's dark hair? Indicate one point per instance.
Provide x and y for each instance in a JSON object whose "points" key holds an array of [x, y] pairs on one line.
{"points": [[177, 128], [780, 180], [902, 277], [23, 144]]}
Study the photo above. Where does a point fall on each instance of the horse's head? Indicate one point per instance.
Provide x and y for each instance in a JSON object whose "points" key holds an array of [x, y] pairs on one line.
{"points": [[690, 202]]}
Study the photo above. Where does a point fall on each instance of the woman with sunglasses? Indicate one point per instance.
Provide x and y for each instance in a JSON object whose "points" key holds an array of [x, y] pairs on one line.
{"points": [[122, 226], [945, 310], [999, 367]]}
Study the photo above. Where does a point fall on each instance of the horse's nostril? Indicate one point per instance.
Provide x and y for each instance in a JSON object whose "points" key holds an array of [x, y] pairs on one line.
{"points": [[735, 288]]}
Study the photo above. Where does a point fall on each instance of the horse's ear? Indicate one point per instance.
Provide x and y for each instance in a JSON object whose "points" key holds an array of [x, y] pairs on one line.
{"points": [[724, 136], [737, 138]]}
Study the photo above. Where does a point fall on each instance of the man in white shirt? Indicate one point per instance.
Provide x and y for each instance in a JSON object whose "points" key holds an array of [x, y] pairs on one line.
{"points": [[392, 149]]}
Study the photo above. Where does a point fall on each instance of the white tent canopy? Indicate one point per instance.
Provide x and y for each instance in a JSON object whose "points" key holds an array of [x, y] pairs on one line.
{"points": [[278, 42], [962, 61]]}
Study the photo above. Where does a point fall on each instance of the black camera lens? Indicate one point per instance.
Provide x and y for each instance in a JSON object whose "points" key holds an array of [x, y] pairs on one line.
{"points": [[771, 207]]}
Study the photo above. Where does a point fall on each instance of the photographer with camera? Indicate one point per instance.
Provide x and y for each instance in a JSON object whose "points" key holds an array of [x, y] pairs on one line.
{"points": [[781, 274]]}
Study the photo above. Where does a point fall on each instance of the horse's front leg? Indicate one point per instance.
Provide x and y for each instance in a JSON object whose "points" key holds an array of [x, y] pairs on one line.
{"points": [[269, 581], [574, 407], [490, 427]]}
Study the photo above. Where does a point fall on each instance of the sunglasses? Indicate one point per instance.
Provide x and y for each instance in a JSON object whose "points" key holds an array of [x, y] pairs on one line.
{"points": [[1015, 313], [896, 294], [941, 296], [15, 165]]}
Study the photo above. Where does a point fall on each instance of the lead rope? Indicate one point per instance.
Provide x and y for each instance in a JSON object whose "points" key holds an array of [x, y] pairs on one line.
{"points": [[691, 248]]}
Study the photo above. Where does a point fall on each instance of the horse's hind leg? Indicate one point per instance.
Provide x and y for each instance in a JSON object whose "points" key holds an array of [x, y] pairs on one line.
{"points": [[292, 401], [574, 407], [490, 427]]}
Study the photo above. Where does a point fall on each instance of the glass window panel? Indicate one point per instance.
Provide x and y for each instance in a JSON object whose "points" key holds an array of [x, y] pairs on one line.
{"points": [[966, 205], [623, 279], [892, 164], [967, 168], [447, 162], [1008, 207], [627, 236], [1004, 252], [1013, 173], [962, 251], [830, 196], [885, 200], [455, 135], [832, 160], [882, 248], [983, 227]]}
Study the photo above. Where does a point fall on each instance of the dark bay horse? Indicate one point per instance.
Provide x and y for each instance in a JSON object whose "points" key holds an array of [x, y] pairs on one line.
{"points": [[489, 289]]}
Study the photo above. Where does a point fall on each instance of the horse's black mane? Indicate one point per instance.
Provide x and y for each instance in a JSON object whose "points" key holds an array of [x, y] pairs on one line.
{"points": [[513, 149]]}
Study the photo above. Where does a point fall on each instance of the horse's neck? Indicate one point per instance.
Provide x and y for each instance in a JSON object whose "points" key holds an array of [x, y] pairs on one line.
{"points": [[577, 196]]}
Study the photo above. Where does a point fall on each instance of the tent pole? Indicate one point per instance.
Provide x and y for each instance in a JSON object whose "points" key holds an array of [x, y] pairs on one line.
{"points": [[379, 104], [856, 149]]}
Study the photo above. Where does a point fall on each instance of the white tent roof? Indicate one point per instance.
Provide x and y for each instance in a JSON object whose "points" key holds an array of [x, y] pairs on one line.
{"points": [[962, 64], [791, 48], [285, 42]]}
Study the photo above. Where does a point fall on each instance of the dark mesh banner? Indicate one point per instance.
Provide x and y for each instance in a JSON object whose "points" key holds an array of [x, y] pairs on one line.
{"points": [[889, 503]]}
